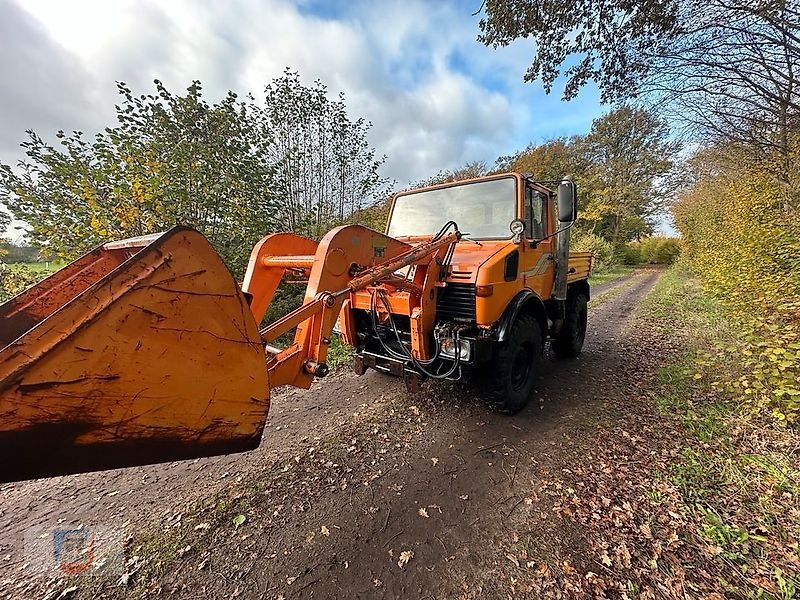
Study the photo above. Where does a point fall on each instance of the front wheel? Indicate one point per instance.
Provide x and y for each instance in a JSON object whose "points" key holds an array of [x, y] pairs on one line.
{"points": [[514, 367], [569, 342]]}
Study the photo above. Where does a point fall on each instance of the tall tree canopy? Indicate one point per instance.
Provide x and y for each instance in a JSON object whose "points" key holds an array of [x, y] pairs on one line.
{"points": [[610, 42], [628, 152], [618, 166], [235, 170], [325, 169], [725, 69]]}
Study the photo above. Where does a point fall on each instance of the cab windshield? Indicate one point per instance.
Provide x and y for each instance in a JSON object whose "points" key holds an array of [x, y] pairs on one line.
{"points": [[482, 209]]}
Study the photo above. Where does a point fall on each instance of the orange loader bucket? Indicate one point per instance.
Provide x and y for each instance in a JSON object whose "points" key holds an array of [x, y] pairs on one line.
{"points": [[141, 351]]}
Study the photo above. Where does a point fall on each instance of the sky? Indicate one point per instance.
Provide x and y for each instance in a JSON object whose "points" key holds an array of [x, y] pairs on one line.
{"points": [[437, 97]]}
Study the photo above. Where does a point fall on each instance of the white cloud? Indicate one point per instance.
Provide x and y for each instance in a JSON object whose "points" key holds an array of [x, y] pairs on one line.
{"points": [[437, 98]]}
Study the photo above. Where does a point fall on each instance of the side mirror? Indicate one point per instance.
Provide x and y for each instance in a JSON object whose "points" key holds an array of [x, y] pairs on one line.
{"points": [[567, 202]]}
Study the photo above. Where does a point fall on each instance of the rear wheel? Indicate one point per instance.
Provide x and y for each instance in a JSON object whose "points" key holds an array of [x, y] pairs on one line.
{"points": [[569, 342], [514, 367]]}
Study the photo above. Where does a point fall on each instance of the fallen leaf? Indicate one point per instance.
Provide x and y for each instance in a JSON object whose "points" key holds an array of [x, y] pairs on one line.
{"points": [[239, 520], [325, 531], [405, 556], [201, 526], [543, 570]]}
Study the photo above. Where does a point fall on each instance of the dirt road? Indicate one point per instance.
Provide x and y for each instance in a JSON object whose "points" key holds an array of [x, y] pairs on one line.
{"points": [[439, 480]]}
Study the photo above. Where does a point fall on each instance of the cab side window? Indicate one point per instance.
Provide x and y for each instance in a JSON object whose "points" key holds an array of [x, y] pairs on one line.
{"points": [[535, 214]]}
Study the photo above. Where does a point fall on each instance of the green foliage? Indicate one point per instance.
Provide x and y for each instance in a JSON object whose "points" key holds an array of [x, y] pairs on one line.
{"points": [[618, 168], [745, 246], [602, 249], [554, 160], [17, 253], [628, 151], [338, 353], [607, 42], [375, 217], [170, 159], [15, 278], [326, 173], [470, 170], [615, 272], [657, 250], [630, 254], [234, 170], [737, 472]]}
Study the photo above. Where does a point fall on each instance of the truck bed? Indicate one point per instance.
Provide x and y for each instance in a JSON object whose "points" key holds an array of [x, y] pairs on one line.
{"points": [[580, 266]]}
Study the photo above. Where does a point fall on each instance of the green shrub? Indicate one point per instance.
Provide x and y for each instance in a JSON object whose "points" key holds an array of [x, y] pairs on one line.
{"points": [[630, 254], [659, 250], [745, 245], [601, 248], [15, 278]]}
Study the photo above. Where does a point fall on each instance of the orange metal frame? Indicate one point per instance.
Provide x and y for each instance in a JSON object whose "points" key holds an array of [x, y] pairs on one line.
{"points": [[347, 259]]}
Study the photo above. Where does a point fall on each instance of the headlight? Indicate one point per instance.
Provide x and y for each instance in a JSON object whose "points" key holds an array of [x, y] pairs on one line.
{"points": [[517, 226], [448, 348]]}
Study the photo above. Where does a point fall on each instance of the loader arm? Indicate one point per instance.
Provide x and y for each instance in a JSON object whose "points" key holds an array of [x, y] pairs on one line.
{"points": [[147, 350]]}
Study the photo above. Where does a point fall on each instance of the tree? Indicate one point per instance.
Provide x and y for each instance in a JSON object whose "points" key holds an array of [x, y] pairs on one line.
{"points": [[326, 170], [731, 78], [169, 160], [470, 170], [608, 42], [628, 152], [618, 167], [724, 69], [554, 160], [234, 170]]}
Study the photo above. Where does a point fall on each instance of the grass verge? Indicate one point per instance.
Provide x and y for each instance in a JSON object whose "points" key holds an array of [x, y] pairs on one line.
{"points": [[611, 274], [738, 472]]}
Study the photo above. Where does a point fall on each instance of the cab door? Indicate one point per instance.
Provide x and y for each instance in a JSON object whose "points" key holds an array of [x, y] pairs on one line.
{"points": [[536, 266]]}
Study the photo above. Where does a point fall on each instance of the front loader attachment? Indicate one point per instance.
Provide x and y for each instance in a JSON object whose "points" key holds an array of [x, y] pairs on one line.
{"points": [[141, 351]]}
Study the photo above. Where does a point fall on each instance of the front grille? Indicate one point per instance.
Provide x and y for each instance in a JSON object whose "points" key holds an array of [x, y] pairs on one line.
{"points": [[456, 301]]}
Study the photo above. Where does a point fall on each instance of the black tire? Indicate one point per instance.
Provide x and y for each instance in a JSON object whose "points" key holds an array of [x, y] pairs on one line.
{"points": [[514, 367], [569, 342]]}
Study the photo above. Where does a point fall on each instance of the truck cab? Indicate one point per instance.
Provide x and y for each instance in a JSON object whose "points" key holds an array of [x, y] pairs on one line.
{"points": [[503, 292]]}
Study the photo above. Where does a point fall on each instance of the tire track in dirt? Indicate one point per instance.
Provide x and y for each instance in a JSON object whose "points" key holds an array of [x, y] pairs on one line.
{"points": [[487, 490], [153, 493], [475, 493]]}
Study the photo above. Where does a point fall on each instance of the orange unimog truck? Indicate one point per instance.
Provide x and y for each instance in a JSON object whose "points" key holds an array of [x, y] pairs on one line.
{"points": [[147, 350], [510, 285]]}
